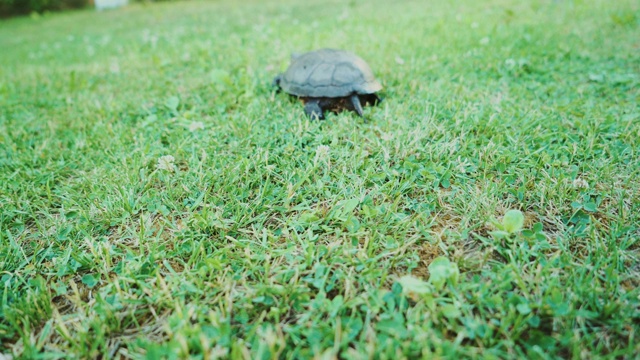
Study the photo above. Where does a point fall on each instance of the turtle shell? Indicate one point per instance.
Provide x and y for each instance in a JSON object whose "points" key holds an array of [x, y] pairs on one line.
{"points": [[328, 73]]}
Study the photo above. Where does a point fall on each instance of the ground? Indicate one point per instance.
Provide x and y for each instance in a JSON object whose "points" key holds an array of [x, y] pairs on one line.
{"points": [[160, 199]]}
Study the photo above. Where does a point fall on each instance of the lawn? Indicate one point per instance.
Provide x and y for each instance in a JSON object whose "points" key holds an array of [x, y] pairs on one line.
{"points": [[159, 198]]}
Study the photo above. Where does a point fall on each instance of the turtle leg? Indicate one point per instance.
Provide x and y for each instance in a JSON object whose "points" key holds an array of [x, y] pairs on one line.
{"points": [[355, 101], [313, 110]]}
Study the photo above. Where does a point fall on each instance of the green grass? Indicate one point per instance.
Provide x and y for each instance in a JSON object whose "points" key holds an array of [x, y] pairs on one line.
{"points": [[277, 237]]}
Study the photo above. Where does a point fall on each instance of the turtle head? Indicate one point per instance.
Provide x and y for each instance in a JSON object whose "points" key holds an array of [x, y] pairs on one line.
{"points": [[276, 81]]}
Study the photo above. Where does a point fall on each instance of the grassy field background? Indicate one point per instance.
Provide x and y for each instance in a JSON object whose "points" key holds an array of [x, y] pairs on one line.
{"points": [[160, 200]]}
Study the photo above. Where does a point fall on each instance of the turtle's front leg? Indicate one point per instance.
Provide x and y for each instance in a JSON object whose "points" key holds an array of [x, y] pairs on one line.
{"points": [[355, 102], [313, 110]]}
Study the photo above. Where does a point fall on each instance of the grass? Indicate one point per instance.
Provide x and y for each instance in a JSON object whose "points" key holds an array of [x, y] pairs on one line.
{"points": [[270, 236]]}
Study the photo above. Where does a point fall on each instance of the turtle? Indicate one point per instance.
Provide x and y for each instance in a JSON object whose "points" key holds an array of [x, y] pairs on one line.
{"points": [[329, 79]]}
